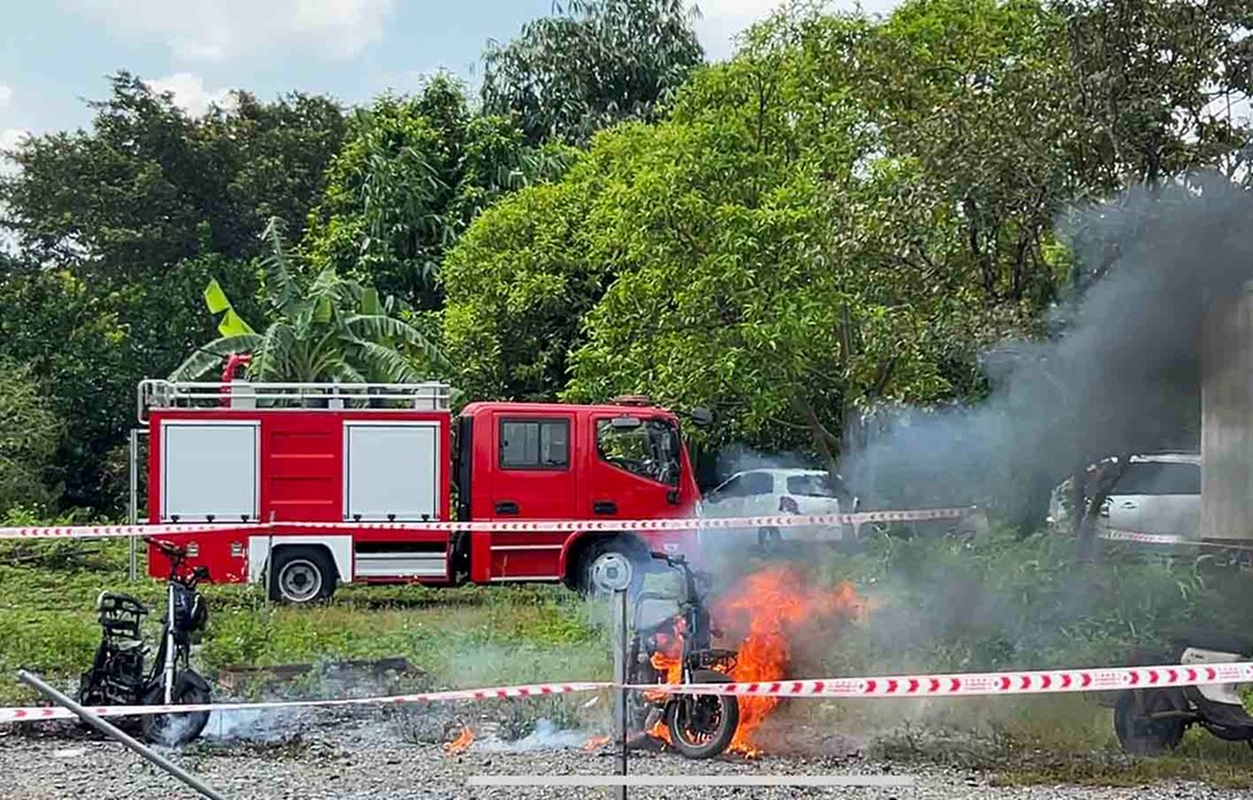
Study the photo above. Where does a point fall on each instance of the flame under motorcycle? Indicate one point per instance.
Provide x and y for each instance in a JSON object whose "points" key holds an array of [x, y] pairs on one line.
{"points": [[671, 637], [118, 676]]}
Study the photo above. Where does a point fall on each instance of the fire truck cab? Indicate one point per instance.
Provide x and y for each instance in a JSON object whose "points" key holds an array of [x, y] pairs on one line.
{"points": [[351, 456]]}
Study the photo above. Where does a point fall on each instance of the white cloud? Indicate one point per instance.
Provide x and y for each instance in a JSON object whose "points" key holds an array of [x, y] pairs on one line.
{"points": [[190, 93], [217, 30], [6, 95], [723, 20]]}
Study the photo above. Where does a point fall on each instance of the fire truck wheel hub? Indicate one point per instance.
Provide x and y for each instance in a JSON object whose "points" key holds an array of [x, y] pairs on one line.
{"points": [[300, 580], [612, 571]]}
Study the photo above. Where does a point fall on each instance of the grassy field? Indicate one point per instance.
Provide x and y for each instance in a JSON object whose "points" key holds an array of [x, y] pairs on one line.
{"points": [[476, 636], [456, 637]]}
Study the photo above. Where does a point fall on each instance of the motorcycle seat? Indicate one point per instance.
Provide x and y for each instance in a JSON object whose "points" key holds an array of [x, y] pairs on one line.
{"points": [[115, 603]]}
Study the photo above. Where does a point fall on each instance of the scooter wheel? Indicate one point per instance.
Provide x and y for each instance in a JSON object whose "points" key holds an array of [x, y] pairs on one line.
{"points": [[176, 730], [703, 725], [1140, 734]]}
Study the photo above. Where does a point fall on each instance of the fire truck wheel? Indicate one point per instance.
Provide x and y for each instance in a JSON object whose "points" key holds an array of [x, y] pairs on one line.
{"points": [[610, 565], [302, 575]]}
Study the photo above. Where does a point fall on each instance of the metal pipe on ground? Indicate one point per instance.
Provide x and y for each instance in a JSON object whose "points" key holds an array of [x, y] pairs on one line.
{"points": [[150, 755]]}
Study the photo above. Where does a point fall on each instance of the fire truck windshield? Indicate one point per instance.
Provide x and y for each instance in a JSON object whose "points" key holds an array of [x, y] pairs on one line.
{"points": [[650, 450]]}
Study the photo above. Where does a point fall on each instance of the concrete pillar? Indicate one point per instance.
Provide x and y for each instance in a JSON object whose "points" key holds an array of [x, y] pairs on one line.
{"points": [[1227, 418]]}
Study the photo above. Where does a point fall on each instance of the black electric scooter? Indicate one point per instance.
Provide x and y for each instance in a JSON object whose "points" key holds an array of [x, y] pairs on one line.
{"points": [[117, 675], [678, 630], [1149, 721]]}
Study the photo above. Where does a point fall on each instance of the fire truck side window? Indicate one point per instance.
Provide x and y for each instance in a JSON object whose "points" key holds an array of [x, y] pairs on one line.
{"points": [[534, 444], [650, 451]]}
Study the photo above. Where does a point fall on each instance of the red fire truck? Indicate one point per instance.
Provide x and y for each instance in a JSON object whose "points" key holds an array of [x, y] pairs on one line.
{"points": [[354, 454]]}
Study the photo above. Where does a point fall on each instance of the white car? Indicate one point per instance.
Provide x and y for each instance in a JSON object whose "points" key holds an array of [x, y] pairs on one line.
{"points": [[1155, 494], [774, 492]]}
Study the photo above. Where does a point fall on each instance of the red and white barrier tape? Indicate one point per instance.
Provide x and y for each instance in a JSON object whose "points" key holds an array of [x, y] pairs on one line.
{"points": [[954, 685], [560, 525], [121, 531], [1118, 535], [36, 713], [989, 683]]}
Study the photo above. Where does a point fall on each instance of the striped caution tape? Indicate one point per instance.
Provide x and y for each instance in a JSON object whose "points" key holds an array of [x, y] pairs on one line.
{"points": [[122, 531], [1119, 535], [559, 525], [37, 713], [954, 685], [989, 683]]}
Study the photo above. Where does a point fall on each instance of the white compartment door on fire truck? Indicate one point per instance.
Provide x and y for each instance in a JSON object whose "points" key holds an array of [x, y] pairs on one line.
{"points": [[209, 471], [391, 471]]}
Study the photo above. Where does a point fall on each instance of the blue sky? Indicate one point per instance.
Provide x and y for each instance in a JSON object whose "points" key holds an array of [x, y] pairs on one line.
{"points": [[55, 53]]}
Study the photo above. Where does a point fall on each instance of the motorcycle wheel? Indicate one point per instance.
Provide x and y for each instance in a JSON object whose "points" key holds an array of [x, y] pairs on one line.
{"points": [[176, 730], [702, 726], [1141, 735]]}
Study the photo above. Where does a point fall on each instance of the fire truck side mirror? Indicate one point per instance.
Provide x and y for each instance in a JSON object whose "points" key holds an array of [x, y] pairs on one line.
{"points": [[701, 417]]}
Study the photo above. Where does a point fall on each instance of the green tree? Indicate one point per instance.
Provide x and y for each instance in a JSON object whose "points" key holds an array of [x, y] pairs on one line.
{"points": [[411, 177], [120, 226], [321, 328], [149, 186], [599, 62], [29, 434]]}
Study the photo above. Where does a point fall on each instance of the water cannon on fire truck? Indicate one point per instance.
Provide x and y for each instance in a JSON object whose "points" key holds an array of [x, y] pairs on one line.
{"points": [[359, 457]]}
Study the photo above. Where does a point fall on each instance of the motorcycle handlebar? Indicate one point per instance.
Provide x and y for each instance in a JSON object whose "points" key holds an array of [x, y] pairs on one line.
{"points": [[167, 549]]}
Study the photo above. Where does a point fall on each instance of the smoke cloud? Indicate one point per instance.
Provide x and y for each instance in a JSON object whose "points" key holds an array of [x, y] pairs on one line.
{"points": [[1119, 374]]}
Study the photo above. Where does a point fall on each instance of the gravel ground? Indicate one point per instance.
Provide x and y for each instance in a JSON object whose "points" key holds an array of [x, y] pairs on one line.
{"points": [[353, 759]]}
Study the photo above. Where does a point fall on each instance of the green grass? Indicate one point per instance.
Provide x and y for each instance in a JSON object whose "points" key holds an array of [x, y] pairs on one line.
{"points": [[456, 637], [934, 616]]}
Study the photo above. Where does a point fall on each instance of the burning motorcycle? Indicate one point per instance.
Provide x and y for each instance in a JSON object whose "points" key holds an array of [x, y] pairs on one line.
{"points": [[117, 675], [671, 643], [1149, 721]]}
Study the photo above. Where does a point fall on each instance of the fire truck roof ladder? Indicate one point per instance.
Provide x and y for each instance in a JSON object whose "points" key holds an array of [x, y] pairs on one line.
{"points": [[426, 396]]}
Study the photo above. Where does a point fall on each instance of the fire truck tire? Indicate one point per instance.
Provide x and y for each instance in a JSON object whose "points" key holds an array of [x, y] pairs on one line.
{"points": [[616, 556], [302, 575]]}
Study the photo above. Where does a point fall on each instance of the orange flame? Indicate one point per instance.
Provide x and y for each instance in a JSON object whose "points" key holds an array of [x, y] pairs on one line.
{"points": [[595, 743], [461, 743], [766, 609]]}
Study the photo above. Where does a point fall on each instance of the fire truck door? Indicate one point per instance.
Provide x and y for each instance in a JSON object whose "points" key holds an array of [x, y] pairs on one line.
{"points": [[534, 476]]}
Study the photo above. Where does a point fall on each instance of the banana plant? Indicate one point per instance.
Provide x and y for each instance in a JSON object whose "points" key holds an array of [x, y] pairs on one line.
{"points": [[322, 327]]}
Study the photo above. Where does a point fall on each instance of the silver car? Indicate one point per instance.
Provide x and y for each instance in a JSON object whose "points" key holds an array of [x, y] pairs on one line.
{"points": [[1158, 494], [779, 491]]}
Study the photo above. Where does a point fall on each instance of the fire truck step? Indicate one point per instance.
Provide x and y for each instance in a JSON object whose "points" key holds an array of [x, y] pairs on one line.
{"points": [[402, 565]]}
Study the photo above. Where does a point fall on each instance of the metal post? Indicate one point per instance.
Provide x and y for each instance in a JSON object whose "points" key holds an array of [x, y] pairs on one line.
{"points": [[133, 507], [113, 733], [620, 707]]}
